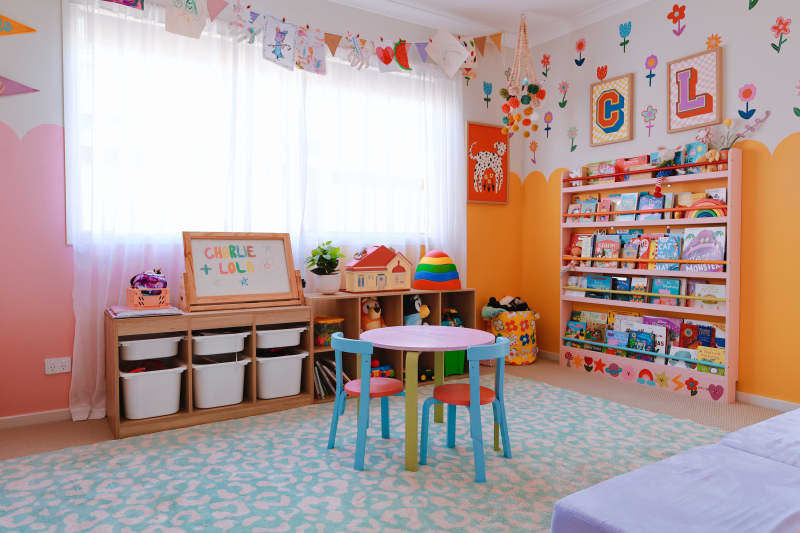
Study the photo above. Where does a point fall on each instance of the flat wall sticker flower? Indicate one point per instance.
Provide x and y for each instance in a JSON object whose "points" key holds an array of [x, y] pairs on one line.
{"points": [[752, 4], [624, 33], [580, 47], [780, 29], [533, 146], [797, 109], [649, 115], [548, 118], [563, 87], [487, 90], [692, 384], [572, 132], [713, 41], [650, 64], [747, 94], [677, 14], [469, 74], [602, 72], [545, 64]]}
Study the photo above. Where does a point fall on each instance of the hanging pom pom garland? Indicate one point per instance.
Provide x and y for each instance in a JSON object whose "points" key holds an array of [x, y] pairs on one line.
{"points": [[523, 90]]}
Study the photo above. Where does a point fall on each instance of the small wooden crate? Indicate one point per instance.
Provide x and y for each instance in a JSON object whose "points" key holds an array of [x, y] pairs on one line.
{"points": [[138, 299]]}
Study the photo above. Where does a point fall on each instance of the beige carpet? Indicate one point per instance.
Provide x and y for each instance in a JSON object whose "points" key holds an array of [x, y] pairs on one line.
{"points": [[53, 436]]}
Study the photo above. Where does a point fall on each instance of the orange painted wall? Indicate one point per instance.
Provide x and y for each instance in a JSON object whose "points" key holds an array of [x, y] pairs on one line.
{"points": [[769, 364]]}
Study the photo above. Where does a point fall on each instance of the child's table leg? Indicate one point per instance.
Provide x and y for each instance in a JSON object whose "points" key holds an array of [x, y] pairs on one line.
{"points": [[438, 379], [412, 366]]}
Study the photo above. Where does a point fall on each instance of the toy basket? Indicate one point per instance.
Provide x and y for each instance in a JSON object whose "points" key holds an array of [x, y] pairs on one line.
{"points": [[519, 327], [139, 299]]}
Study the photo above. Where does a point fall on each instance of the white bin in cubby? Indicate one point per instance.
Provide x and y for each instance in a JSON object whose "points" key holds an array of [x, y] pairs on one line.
{"points": [[155, 348], [278, 338], [214, 344], [280, 375], [218, 384], [154, 393]]}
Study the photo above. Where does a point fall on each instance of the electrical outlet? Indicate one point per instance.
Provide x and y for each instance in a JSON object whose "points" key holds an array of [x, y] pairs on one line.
{"points": [[57, 365]]}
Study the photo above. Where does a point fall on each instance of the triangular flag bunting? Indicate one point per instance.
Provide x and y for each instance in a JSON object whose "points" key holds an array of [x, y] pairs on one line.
{"points": [[363, 42], [9, 87], [497, 39], [480, 44], [10, 27], [332, 41], [136, 4], [215, 7], [423, 53]]}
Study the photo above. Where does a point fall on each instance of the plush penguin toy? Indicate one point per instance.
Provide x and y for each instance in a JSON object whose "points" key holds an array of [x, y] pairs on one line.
{"points": [[416, 311], [371, 314]]}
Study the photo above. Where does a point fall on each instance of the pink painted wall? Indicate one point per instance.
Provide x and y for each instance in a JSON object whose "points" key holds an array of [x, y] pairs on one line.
{"points": [[36, 285]]}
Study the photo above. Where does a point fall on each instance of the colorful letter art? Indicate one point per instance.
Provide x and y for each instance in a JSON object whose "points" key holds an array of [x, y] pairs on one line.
{"points": [[611, 104], [695, 91], [279, 42], [487, 163]]}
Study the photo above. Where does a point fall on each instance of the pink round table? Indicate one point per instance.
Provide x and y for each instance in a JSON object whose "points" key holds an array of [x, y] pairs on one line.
{"points": [[412, 340]]}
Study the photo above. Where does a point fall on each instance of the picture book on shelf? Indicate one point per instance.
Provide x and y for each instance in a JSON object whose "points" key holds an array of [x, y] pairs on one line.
{"points": [[604, 207], [588, 206], [573, 208], [621, 283], [672, 325], [686, 353], [719, 330], [648, 201], [694, 151], [575, 330], [645, 243], [708, 289], [626, 163], [576, 281], [598, 317], [578, 198], [595, 332], [703, 244], [574, 247], [711, 355], [616, 200], [627, 323], [706, 336], [630, 251], [669, 203], [606, 246], [689, 334], [659, 334], [598, 282], [668, 247], [587, 249], [641, 340], [627, 236], [616, 338], [719, 193], [628, 202], [666, 287], [652, 251], [640, 284], [601, 167]]}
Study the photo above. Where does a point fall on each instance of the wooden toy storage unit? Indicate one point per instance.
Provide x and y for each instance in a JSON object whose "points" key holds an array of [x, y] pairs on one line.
{"points": [[703, 385]]}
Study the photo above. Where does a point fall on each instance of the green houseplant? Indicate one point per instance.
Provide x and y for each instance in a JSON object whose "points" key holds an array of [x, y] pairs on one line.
{"points": [[323, 263]]}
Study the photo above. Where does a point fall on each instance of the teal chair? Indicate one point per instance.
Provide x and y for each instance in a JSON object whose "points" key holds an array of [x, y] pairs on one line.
{"points": [[472, 396], [365, 388]]}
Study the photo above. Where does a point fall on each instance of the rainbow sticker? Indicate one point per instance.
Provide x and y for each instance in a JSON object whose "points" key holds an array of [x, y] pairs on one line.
{"points": [[708, 207], [646, 378], [436, 271]]}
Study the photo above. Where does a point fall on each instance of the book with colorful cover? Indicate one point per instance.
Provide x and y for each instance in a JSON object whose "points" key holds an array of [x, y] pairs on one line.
{"points": [[574, 246], [652, 251], [576, 330], [641, 340], [630, 251], [695, 151], [578, 198], [621, 283], [596, 332], [626, 236], [598, 282], [672, 325], [601, 167], [689, 334], [686, 353], [718, 193], [706, 336], [644, 251], [640, 284], [669, 203], [669, 247], [576, 281], [666, 287], [587, 249], [711, 355], [606, 246], [628, 202], [616, 338], [572, 209], [588, 206], [616, 201], [703, 244], [623, 164], [648, 201], [604, 207], [719, 330], [660, 338], [627, 322], [712, 290], [597, 317]]}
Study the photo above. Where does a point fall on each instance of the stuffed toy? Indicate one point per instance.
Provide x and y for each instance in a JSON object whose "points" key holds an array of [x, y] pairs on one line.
{"points": [[152, 279], [371, 314], [451, 317], [416, 311]]}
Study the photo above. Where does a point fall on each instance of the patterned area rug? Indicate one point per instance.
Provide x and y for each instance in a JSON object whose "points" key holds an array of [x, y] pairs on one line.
{"points": [[274, 473]]}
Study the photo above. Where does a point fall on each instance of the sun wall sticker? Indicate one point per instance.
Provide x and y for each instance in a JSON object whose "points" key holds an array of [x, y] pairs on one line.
{"points": [[677, 14]]}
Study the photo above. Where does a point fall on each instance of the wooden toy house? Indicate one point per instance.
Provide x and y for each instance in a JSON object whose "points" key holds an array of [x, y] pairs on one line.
{"points": [[378, 268]]}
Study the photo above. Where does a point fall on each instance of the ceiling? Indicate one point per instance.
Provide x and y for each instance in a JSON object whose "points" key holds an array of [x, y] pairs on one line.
{"points": [[547, 19]]}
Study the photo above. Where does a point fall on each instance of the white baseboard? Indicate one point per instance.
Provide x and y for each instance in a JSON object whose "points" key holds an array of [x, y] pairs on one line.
{"points": [[29, 419], [763, 401], [550, 356]]}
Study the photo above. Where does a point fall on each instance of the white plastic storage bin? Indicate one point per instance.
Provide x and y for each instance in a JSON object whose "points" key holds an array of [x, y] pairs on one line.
{"points": [[278, 338], [218, 384], [280, 375], [217, 344], [154, 393], [137, 350]]}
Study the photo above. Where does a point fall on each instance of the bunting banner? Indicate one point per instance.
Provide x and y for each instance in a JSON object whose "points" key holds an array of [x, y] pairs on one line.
{"points": [[310, 50], [385, 54], [497, 39], [280, 45], [332, 41], [136, 4], [422, 51], [480, 44], [447, 52], [215, 7], [10, 27], [10, 87], [186, 17]]}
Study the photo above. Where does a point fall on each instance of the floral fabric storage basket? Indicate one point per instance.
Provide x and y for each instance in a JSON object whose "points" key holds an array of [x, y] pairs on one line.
{"points": [[519, 327]]}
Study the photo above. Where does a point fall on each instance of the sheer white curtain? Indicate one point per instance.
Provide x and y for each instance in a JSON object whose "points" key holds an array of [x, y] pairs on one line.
{"points": [[167, 134]]}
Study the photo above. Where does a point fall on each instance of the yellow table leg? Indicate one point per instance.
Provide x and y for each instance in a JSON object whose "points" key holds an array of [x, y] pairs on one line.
{"points": [[497, 437], [412, 375], [438, 379]]}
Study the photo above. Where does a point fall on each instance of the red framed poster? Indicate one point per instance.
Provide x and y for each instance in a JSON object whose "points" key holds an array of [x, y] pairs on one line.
{"points": [[487, 164]]}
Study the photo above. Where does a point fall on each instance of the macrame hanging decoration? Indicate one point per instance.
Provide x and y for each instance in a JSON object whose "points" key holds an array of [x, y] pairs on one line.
{"points": [[523, 94]]}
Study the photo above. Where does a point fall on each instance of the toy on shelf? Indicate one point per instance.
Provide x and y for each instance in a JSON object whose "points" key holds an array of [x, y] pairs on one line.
{"points": [[426, 374], [148, 290], [413, 302], [371, 314], [381, 371], [436, 271], [378, 268], [451, 317], [324, 327]]}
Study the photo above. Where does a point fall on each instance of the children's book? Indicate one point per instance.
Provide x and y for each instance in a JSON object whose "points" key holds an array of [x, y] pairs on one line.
{"points": [[621, 283], [598, 282], [576, 281], [694, 151], [703, 244], [686, 353], [719, 193], [640, 284], [576, 330], [578, 198], [706, 336], [574, 247], [648, 201], [689, 334], [616, 200], [628, 202], [604, 207], [627, 323], [606, 246], [616, 338], [601, 167], [573, 208], [711, 355], [666, 286], [626, 236], [644, 251], [587, 248], [575, 316], [669, 203], [660, 337], [652, 251], [588, 206], [719, 330], [630, 251], [672, 325], [669, 247], [709, 289], [623, 164], [596, 332], [641, 340], [597, 317]]}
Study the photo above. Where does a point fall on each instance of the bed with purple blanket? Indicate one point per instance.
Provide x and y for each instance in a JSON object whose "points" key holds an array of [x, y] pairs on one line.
{"points": [[747, 482]]}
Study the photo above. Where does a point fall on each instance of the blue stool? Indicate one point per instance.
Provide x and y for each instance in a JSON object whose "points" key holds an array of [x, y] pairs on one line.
{"points": [[472, 396]]}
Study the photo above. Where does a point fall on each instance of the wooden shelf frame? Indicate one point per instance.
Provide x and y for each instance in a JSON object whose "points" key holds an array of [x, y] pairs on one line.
{"points": [[730, 178]]}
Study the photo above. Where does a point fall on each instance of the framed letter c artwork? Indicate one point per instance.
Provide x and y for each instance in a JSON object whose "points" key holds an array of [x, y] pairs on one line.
{"points": [[611, 110], [694, 91]]}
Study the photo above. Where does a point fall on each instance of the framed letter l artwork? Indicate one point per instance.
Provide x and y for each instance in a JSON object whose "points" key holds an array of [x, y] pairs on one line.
{"points": [[694, 91], [487, 164]]}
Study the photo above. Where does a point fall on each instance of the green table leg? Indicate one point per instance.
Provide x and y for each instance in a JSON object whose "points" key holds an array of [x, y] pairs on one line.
{"points": [[497, 437], [412, 375], [438, 379]]}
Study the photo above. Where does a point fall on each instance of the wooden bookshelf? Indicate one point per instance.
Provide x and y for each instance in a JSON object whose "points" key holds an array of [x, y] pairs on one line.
{"points": [[707, 386]]}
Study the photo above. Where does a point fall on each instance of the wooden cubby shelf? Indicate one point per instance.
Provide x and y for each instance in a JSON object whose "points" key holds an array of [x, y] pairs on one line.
{"points": [[719, 383]]}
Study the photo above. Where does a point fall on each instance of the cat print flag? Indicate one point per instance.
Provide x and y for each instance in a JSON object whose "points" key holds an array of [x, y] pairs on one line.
{"points": [[186, 17], [280, 42], [311, 50]]}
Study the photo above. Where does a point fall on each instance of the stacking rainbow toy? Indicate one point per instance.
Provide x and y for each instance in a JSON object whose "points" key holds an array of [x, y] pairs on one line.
{"points": [[708, 207], [436, 271]]}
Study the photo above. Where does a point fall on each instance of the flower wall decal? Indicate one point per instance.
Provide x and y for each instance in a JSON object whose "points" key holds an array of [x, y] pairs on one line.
{"points": [[650, 64], [677, 14], [797, 109], [747, 94], [780, 29], [533, 146], [545, 64], [602, 72], [572, 133], [713, 41], [649, 115], [624, 33], [548, 118], [580, 47], [487, 90], [563, 87]]}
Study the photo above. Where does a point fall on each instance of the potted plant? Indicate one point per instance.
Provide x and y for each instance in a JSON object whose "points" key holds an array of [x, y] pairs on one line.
{"points": [[322, 263]]}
